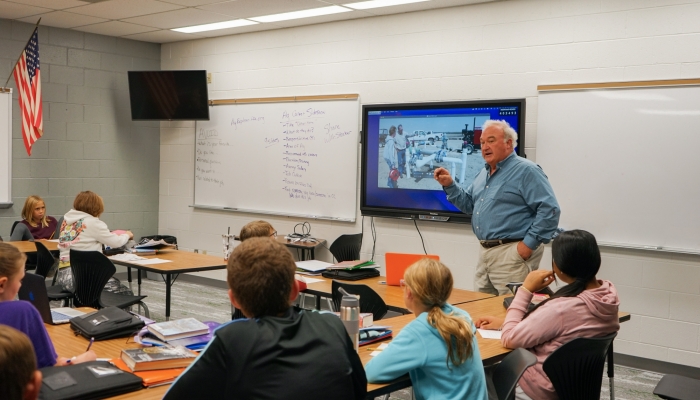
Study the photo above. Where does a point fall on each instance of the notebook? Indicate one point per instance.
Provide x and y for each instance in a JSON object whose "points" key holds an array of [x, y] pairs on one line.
{"points": [[33, 290], [397, 263]]}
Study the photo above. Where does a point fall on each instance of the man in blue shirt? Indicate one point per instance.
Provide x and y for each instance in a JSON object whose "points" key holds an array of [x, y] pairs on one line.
{"points": [[513, 210]]}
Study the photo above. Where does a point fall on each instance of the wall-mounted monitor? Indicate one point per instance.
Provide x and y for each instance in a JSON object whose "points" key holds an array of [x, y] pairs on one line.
{"points": [[169, 95], [436, 135]]}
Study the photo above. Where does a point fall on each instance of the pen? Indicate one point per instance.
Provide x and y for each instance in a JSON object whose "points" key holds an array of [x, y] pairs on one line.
{"points": [[92, 340]]}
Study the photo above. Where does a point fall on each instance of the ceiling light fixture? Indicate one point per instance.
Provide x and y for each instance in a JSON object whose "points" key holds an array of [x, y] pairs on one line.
{"points": [[314, 12], [364, 5], [217, 25]]}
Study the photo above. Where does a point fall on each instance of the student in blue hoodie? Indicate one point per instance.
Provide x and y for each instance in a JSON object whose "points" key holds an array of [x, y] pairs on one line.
{"points": [[438, 349]]}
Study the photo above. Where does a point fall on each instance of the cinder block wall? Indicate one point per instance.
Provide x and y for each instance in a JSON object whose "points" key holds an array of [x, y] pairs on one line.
{"points": [[501, 49], [89, 142]]}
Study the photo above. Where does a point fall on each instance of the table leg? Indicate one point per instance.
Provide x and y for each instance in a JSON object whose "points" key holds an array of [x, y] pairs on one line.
{"points": [[128, 275], [168, 278], [313, 255], [139, 280], [318, 301]]}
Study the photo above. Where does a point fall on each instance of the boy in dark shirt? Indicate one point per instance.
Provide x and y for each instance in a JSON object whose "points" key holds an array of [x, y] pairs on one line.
{"points": [[277, 353]]}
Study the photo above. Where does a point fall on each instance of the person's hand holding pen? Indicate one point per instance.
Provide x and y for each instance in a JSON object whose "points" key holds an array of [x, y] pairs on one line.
{"points": [[89, 355]]}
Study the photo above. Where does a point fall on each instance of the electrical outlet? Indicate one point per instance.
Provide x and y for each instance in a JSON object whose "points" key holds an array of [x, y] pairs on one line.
{"points": [[208, 77]]}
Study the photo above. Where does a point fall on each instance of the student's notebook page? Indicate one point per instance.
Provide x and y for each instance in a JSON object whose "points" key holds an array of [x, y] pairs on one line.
{"points": [[313, 265], [489, 334]]}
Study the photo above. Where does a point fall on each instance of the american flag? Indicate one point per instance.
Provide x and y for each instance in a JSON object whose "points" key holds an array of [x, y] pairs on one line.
{"points": [[28, 81]]}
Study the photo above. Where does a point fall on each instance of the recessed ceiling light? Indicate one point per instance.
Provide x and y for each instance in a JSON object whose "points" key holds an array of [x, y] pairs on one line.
{"points": [[314, 12], [363, 5], [217, 25]]}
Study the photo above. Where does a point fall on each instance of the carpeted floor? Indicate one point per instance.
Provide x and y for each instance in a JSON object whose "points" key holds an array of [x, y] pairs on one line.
{"points": [[208, 303]]}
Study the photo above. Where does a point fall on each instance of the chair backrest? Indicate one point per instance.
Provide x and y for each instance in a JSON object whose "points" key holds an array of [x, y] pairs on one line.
{"points": [[398, 263], [59, 222], [370, 301], [14, 224], [20, 232], [509, 371], [576, 368], [347, 247], [44, 260], [91, 271]]}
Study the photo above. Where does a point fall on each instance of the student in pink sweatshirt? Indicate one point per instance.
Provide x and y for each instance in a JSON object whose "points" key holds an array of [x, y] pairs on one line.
{"points": [[585, 307]]}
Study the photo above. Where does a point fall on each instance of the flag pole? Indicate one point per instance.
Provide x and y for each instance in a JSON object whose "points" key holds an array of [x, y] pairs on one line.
{"points": [[5, 88]]}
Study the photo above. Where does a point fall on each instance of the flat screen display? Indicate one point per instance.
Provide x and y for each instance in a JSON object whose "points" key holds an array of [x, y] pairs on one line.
{"points": [[169, 95], [434, 135]]}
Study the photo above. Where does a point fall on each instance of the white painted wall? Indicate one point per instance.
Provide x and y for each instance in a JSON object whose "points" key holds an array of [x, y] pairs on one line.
{"points": [[484, 51]]}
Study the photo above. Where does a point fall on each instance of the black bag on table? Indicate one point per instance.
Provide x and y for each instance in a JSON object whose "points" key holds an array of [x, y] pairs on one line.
{"points": [[84, 381], [107, 323], [350, 274], [166, 238]]}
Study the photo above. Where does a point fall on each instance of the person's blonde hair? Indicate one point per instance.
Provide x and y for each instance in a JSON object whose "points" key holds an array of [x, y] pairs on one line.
{"points": [[89, 202], [430, 281], [17, 363], [28, 210], [11, 260], [255, 229]]}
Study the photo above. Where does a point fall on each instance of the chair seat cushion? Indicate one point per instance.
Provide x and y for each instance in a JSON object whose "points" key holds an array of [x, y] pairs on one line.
{"points": [[57, 292], [677, 387], [118, 300]]}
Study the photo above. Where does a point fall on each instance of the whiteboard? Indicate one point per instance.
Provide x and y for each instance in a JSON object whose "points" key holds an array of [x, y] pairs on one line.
{"points": [[6, 149], [295, 158], [624, 163]]}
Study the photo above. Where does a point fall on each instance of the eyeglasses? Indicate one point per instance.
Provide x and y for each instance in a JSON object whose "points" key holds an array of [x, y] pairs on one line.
{"points": [[273, 234]]}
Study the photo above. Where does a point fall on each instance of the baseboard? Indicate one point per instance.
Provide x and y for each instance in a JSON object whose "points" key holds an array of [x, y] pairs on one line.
{"points": [[122, 276], [661, 367]]}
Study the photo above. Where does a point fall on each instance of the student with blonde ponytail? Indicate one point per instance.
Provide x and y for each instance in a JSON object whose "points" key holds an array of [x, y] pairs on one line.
{"points": [[438, 349]]}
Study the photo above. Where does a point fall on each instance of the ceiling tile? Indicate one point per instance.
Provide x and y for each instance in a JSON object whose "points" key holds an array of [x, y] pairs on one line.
{"points": [[179, 18], [163, 36], [62, 19], [52, 4], [118, 9], [13, 10], [257, 8], [115, 28], [192, 3]]}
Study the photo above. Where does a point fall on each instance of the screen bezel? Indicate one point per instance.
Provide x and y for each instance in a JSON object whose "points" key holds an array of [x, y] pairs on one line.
{"points": [[418, 213]]}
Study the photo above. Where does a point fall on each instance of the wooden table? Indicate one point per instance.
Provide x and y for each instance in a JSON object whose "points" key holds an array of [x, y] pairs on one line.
{"points": [[68, 345], [29, 247], [392, 295], [181, 262]]}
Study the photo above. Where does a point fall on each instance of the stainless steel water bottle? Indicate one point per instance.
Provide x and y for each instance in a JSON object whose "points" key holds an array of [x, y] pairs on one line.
{"points": [[350, 314]]}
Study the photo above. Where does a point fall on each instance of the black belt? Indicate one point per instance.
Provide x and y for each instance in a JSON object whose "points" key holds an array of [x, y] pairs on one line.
{"points": [[487, 244]]}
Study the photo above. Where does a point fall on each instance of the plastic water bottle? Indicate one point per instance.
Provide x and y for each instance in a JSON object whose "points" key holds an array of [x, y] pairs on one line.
{"points": [[350, 315]]}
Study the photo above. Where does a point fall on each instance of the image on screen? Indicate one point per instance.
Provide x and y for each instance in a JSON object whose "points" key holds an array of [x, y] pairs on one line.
{"points": [[405, 143]]}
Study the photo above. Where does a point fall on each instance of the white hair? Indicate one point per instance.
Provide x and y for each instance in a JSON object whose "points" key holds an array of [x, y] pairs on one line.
{"points": [[508, 131]]}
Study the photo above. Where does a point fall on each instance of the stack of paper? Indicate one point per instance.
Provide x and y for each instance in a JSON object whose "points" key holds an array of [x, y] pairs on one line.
{"points": [[312, 266]]}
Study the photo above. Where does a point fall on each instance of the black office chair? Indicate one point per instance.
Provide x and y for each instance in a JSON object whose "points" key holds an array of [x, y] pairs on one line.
{"points": [[576, 368], [347, 247], [676, 387], [508, 372], [370, 301], [59, 222], [91, 271], [44, 263], [20, 233]]}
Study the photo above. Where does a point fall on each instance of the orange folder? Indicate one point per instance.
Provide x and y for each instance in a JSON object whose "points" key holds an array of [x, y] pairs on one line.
{"points": [[151, 378], [397, 263]]}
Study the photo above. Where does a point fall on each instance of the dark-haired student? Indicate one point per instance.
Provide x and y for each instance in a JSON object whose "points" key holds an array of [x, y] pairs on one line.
{"points": [[19, 379], [277, 353], [438, 349], [586, 307]]}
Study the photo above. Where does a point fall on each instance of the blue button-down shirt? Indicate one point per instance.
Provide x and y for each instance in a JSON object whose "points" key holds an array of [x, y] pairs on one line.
{"points": [[515, 202]]}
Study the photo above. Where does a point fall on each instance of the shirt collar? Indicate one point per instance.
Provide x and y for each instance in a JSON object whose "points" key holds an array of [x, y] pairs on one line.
{"points": [[501, 163]]}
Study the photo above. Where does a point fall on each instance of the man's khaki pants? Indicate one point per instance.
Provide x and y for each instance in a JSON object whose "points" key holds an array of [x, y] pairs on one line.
{"points": [[501, 265]]}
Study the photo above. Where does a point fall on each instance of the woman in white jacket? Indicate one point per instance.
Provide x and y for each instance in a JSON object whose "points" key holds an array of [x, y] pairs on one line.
{"points": [[82, 229]]}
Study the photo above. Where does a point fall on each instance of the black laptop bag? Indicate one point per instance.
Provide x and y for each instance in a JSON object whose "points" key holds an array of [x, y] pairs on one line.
{"points": [[84, 381], [107, 323], [351, 274]]}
